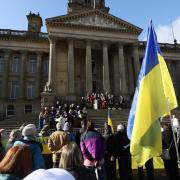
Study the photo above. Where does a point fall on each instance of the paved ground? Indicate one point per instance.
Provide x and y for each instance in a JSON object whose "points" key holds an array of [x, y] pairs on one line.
{"points": [[159, 175]]}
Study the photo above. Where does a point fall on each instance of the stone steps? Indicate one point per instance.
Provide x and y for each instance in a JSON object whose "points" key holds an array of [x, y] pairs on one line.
{"points": [[98, 116]]}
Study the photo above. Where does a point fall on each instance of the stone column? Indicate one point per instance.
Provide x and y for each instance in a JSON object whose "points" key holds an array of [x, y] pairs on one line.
{"points": [[106, 83], [5, 90], [122, 72], [88, 68], [52, 59], [48, 94], [136, 60], [22, 77], [71, 66], [38, 74]]}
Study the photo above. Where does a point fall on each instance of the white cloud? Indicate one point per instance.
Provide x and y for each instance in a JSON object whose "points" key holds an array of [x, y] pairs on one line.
{"points": [[164, 32]]}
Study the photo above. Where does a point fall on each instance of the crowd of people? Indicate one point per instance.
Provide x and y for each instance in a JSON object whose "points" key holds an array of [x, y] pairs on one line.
{"points": [[67, 113], [74, 113], [86, 154], [103, 101]]}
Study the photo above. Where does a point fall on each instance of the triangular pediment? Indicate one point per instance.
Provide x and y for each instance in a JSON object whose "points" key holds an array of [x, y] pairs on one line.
{"points": [[94, 19]]}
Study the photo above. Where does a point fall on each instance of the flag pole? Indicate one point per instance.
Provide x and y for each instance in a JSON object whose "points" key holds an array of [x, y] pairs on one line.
{"points": [[174, 136]]}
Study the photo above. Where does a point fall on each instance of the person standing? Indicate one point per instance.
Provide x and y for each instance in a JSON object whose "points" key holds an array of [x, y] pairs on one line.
{"points": [[122, 144], [41, 120], [43, 139], [72, 161], [109, 157], [16, 164], [29, 133], [13, 136], [56, 141], [52, 115], [92, 148], [149, 170], [171, 165]]}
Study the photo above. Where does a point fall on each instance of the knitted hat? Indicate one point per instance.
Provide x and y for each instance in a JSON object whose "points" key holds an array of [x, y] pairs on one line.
{"points": [[29, 130], [66, 126], [50, 174], [59, 126], [120, 127]]}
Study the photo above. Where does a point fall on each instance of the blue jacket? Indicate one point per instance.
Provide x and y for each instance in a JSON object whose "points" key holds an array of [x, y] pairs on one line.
{"points": [[36, 150]]}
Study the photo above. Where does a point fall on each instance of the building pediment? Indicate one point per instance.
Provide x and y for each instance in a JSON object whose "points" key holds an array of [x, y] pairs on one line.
{"points": [[94, 19]]}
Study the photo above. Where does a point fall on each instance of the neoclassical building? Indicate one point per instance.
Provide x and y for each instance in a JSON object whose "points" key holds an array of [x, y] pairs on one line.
{"points": [[86, 50]]}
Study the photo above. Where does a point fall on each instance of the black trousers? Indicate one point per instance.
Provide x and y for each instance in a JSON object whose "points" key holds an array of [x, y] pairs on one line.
{"points": [[125, 170], [149, 170], [110, 168], [171, 167]]}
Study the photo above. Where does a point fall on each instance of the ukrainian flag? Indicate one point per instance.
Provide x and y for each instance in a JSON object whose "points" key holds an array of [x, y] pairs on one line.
{"points": [[110, 121], [154, 96]]}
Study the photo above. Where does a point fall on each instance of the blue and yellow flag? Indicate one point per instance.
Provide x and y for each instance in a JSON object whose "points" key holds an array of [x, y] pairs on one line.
{"points": [[154, 96], [110, 121]]}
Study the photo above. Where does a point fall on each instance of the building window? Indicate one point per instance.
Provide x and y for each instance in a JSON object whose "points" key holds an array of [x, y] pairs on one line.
{"points": [[46, 67], [87, 1], [28, 109], [10, 110], [0, 88], [30, 90], [1, 64], [16, 64], [32, 64], [14, 94]]}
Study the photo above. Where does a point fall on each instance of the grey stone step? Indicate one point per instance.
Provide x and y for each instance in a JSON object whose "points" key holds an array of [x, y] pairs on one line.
{"points": [[98, 116]]}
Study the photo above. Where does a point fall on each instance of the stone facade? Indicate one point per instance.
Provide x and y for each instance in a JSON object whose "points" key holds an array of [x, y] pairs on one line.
{"points": [[87, 50]]}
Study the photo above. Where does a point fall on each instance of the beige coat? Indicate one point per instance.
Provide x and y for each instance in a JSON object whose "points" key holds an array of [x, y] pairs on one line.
{"points": [[56, 141]]}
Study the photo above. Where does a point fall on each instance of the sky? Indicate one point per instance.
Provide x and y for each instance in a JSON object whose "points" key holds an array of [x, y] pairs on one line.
{"points": [[164, 14]]}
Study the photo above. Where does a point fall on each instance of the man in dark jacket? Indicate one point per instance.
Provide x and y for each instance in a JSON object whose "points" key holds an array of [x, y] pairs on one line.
{"points": [[170, 165], [110, 153], [123, 153]]}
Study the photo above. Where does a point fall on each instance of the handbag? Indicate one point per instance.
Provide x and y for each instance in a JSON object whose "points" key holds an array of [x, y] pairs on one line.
{"points": [[166, 153]]}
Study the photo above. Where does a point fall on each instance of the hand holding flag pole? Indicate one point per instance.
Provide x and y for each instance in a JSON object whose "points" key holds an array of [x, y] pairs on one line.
{"points": [[174, 130]]}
